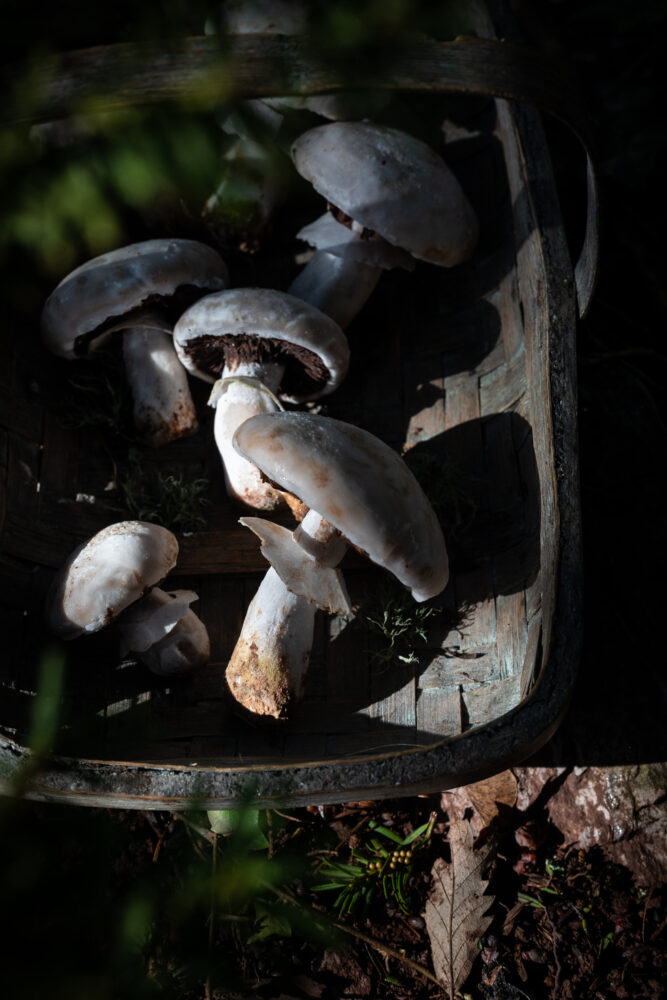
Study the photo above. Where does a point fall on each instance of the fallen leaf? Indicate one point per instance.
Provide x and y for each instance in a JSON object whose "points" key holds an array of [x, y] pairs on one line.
{"points": [[487, 795], [455, 908], [483, 798]]}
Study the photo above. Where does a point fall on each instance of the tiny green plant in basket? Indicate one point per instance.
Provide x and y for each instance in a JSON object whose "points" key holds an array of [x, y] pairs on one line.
{"points": [[164, 498], [398, 622], [382, 866]]}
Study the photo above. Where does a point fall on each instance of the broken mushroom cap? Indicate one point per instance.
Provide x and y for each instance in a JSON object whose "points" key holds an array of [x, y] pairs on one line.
{"points": [[106, 574], [392, 184], [105, 292], [164, 633], [245, 324], [359, 484]]}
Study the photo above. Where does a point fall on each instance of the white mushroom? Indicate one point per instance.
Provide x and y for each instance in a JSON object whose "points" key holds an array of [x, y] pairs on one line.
{"points": [[387, 187], [111, 578], [357, 491], [138, 289], [258, 344]]}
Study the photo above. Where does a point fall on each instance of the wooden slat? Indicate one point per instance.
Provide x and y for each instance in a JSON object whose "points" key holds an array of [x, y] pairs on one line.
{"points": [[347, 663], [58, 473], [424, 402], [472, 666], [395, 703], [502, 388], [483, 704], [20, 416], [474, 591], [35, 542], [327, 717], [23, 461], [439, 712], [231, 550], [305, 746], [374, 743], [510, 632], [530, 664], [510, 311]]}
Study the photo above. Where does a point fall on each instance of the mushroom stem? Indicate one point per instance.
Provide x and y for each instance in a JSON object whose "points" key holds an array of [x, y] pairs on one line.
{"points": [[268, 666], [241, 393], [320, 539], [163, 406], [338, 286]]}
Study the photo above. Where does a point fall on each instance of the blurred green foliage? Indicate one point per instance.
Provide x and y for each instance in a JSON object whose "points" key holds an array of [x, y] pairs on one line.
{"points": [[74, 188]]}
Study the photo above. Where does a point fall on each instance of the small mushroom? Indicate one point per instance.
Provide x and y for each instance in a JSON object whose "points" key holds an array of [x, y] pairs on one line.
{"points": [[111, 579], [387, 188], [257, 344], [139, 289], [356, 490]]}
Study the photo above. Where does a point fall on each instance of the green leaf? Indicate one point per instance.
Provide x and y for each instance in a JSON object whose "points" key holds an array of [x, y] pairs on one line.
{"points": [[523, 897], [410, 839], [385, 832], [243, 823], [46, 707]]}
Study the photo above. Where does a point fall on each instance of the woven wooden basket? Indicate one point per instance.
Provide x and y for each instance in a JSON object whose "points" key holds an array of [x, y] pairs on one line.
{"points": [[471, 368]]}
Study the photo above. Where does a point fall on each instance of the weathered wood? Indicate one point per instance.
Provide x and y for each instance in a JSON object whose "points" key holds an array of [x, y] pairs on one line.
{"points": [[466, 376], [439, 712], [207, 72]]}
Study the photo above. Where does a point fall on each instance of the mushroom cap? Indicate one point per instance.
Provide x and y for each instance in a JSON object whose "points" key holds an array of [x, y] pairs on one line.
{"points": [[310, 343], [340, 241], [359, 484], [107, 288], [106, 574], [392, 183]]}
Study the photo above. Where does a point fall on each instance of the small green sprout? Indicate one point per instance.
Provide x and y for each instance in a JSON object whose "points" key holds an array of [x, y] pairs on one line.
{"points": [[524, 897], [391, 613], [161, 498]]}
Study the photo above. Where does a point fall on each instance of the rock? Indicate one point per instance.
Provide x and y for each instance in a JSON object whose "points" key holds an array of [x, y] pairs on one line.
{"points": [[531, 781], [603, 805]]}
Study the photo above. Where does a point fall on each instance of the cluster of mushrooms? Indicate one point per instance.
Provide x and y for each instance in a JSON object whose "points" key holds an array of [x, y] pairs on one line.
{"points": [[390, 199]]}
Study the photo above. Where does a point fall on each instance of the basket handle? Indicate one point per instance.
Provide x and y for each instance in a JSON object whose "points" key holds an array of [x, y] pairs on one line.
{"points": [[258, 65]]}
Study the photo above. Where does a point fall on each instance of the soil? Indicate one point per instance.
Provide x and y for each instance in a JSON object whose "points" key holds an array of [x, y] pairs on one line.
{"points": [[122, 902]]}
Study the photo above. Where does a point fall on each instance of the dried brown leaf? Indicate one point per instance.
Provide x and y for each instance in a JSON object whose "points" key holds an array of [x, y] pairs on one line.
{"points": [[487, 795], [455, 908]]}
